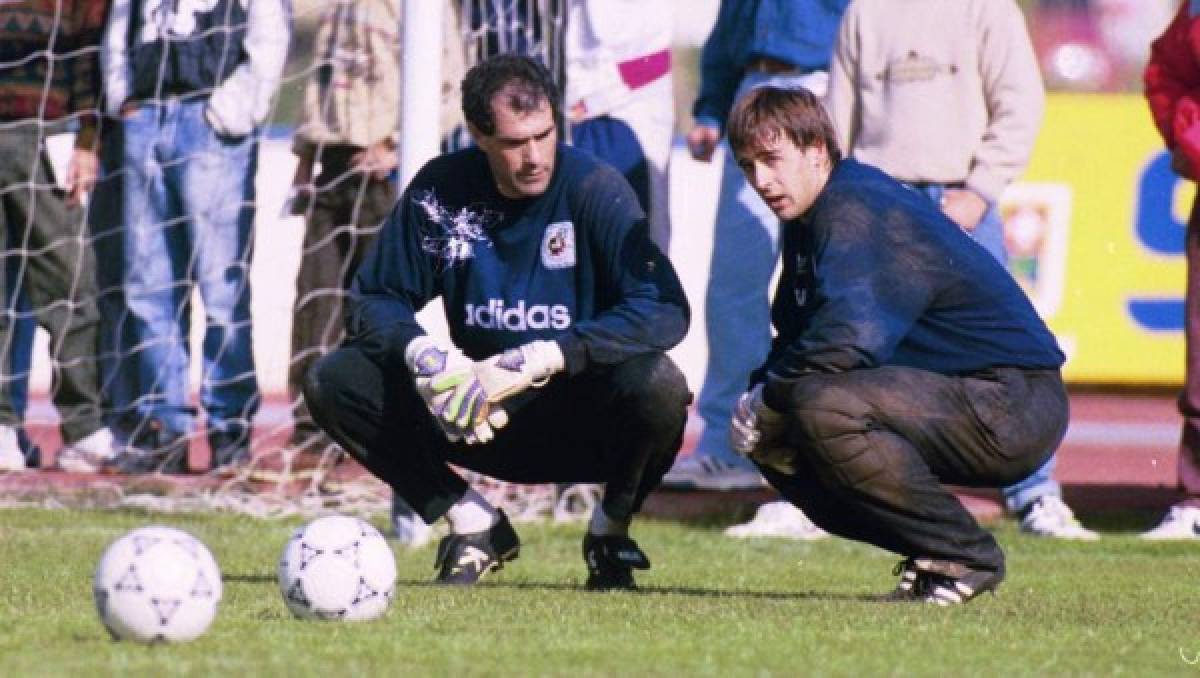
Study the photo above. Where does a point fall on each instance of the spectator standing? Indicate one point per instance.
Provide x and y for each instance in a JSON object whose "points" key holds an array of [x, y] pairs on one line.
{"points": [[782, 43], [619, 97], [1172, 82], [188, 86], [348, 128], [48, 83], [946, 96]]}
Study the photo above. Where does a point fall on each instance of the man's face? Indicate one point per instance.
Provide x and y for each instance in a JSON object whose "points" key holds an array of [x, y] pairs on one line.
{"points": [[788, 178], [521, 151]]}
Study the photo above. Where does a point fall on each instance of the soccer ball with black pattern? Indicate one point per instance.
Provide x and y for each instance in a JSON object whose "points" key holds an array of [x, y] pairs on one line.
{"points": [[337, 567], [157, 584]]}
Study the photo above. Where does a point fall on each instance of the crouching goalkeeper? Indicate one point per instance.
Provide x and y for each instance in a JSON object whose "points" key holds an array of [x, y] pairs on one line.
{"points": [[560, 311]]}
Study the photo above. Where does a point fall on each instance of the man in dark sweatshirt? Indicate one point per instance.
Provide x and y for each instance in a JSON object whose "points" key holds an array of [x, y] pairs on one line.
{"points": [[905, 357], [560, 311]]}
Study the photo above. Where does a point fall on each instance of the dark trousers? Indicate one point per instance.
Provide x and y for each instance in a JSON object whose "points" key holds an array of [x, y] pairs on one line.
{"points": [[873, 448], [621, 426], [44, 250], [1189, 399], [344, 217]]}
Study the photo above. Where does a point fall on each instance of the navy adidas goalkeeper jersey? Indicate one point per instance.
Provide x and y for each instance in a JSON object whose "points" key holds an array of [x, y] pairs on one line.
{"points": [[874, 274], [574, 264]]}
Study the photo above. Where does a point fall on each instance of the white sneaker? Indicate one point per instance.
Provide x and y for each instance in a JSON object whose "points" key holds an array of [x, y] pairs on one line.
{"points": [[88, 454], [778, 519], [11, 457], [705, 472], [1049, 516], [410, 529], [1181, 522]]}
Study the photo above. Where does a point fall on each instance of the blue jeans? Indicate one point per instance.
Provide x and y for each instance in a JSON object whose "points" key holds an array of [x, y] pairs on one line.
{"points": [[20, 357], [615, 142], [187, 209], [990, 234], [737, 304], [117, 379]]}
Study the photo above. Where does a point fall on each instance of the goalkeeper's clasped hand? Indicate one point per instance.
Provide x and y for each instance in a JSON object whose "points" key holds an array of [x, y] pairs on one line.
{"points": [[465, 396], [757, 432], [440, 373]]}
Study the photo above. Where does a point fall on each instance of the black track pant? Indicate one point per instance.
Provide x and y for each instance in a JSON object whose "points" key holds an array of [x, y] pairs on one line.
{"points": [[620, 425], [874, 446], [42, 249]]}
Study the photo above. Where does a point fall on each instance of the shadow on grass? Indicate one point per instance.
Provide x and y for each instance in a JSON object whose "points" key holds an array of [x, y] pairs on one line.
{"points": [[664, 590], [1114, 508], [249, 578]]}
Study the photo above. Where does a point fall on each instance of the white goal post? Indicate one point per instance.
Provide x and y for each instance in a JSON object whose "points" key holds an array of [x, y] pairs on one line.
{"points": [[421, 82]]}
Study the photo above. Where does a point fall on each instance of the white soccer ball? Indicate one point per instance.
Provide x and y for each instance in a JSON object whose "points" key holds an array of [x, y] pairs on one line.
{"points": [[337, 567], [157, 584]]}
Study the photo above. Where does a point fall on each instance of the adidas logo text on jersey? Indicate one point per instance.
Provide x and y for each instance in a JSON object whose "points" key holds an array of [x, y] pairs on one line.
{"points": [[519, 318]]}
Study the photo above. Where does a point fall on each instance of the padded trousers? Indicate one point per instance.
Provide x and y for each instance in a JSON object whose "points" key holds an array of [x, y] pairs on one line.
{"points": [[620, 425], [874, 448]]}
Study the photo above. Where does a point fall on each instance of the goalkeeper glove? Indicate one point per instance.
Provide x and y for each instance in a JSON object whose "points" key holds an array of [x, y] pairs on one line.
{"points": [[756, 430], [446, 381], [530, 365]]}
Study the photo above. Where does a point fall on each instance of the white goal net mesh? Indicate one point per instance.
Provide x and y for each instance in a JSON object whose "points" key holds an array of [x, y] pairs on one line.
{"points": [[56, 274]]}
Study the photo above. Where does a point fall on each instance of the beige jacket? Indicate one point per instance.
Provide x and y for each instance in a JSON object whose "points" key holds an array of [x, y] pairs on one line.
{"points": [[353, 92], [937, 90]]}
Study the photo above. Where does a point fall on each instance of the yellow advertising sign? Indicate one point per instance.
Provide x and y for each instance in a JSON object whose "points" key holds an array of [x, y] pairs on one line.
{"points": [[1096, 233]]}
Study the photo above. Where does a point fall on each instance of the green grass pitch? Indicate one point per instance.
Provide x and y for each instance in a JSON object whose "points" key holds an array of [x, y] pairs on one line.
{"points": [[710, 606]]}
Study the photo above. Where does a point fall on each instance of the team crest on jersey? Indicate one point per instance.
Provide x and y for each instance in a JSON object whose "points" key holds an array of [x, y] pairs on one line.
{"points": [[455, 232], [558, 245]]}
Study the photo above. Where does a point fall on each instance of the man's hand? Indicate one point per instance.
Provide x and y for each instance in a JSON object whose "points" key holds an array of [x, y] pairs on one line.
{"points": [[446, 381], [964, 207], [299, 197], [302, 178], [702, 141], [531, 365], [379, 159], [81, 175], [756, 431]]}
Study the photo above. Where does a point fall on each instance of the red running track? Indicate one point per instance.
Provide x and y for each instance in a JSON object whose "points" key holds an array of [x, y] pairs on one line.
{"points": [[1119, 453]]}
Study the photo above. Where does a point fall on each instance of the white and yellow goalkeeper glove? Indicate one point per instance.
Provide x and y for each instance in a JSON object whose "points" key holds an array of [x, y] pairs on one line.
{"points": [[447, 382], [531, 365], [756, 432]]}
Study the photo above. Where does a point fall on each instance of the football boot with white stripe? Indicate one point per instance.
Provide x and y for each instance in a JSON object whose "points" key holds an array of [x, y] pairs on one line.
{"points": [[462, 559], [944, 583], [911, 586]]}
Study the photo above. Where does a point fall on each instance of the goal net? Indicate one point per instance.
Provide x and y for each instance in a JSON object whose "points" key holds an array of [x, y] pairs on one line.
{"points": [[285, 474]]}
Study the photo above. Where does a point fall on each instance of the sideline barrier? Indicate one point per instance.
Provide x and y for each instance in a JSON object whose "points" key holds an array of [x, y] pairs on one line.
{"points": [[1096, 232]]}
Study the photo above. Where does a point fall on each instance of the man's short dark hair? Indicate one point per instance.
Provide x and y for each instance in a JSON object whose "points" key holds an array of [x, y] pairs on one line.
{"points": [[766, 112], [529, 85]]}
